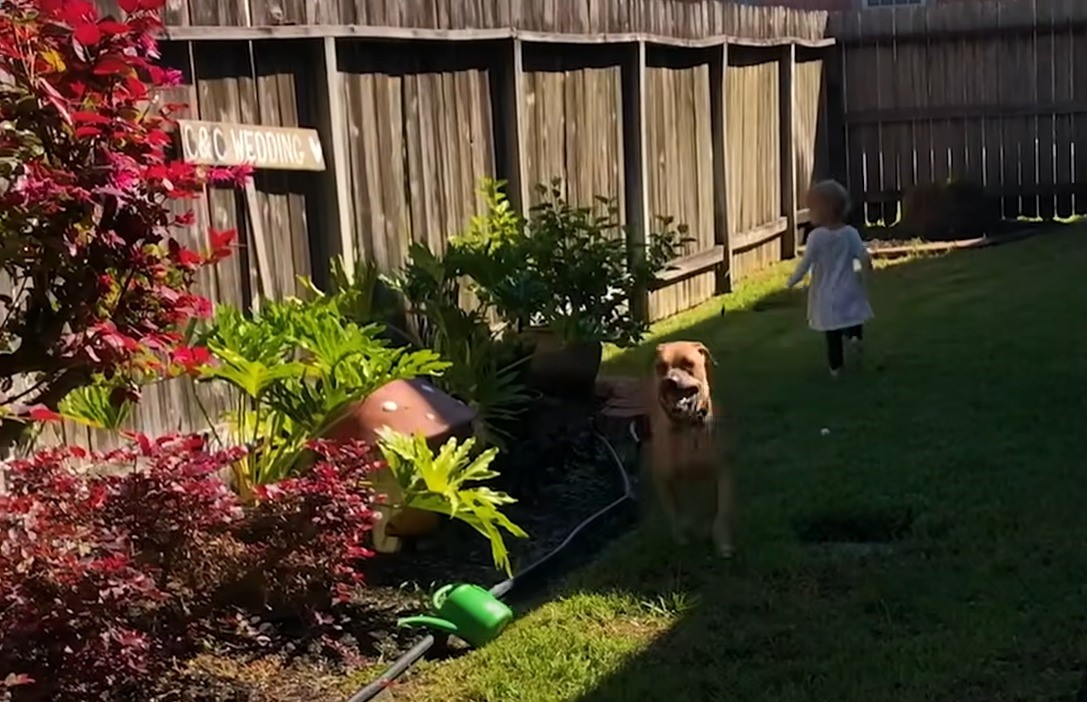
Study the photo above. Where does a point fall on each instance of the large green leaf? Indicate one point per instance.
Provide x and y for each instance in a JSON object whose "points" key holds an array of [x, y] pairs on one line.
{"points": [[448, 483], [252, 376], [96, 406]]}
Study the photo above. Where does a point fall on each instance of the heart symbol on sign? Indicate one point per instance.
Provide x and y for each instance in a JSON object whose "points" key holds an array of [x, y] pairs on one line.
{"points": [[315, 149]]}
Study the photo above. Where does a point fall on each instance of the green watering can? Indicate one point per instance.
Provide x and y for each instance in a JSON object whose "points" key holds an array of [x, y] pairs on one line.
{"points": [[466, 611]]}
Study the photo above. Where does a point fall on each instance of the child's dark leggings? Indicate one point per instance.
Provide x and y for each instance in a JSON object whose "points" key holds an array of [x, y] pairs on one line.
{"points": [[835, 352]]}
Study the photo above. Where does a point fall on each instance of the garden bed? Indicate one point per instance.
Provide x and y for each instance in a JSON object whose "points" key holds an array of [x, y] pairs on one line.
{"points": [[889, 242], [559, 471], [886, 242]]}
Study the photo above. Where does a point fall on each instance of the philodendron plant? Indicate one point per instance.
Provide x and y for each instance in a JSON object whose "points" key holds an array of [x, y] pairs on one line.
{"points": [[295, 367], [449, 483]]}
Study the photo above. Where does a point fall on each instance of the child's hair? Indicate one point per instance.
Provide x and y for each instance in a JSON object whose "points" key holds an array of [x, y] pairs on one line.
{"points": [[835, 195]]}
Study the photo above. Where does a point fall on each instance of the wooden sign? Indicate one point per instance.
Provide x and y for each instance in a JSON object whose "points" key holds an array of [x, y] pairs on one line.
{"points": [[226, 144]]}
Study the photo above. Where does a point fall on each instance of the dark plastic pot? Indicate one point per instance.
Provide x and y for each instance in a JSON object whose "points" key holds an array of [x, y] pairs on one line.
{"points": [[563, 370]]}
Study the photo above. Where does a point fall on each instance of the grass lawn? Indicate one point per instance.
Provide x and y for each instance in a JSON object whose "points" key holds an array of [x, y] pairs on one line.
{"points": [[969, 420]]}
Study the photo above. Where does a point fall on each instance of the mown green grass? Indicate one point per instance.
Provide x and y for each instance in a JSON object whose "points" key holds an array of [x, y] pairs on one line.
{"points": [[970, 415]]}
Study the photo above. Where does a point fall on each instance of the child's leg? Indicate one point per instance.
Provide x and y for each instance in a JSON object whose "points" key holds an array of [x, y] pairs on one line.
{"points": [[835, 353], [856, 339]]}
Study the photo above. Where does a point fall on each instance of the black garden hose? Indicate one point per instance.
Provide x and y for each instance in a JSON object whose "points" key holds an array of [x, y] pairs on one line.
{"points": [[416, 652]]}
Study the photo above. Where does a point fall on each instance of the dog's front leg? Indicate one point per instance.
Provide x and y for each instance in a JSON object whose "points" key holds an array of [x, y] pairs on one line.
{"points": [[669, 500], [724, 519]]}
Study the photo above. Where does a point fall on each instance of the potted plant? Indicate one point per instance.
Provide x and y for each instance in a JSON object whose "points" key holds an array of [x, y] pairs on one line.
{"points": [[484, 367], [562, 278]]}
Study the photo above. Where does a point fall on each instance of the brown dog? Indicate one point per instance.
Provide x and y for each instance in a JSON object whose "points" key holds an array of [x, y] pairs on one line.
{"points": [[687, 442]]}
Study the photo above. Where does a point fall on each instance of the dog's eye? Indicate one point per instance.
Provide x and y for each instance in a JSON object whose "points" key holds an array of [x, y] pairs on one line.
{"points": [[687, 364]]}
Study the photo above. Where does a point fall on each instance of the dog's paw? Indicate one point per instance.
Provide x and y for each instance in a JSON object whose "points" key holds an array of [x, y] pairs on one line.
{"points": [[723, 541]]}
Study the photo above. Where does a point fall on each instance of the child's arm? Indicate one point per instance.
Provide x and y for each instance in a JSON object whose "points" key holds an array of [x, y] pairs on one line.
{"points": [[804, 266], [860, 252]]}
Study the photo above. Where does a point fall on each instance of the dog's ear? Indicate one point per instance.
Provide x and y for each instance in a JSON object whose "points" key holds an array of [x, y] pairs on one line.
{"points": [[701, 348]]}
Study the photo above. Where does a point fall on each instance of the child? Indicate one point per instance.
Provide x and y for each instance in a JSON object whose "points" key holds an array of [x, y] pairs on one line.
{"points": [[837, 299]]}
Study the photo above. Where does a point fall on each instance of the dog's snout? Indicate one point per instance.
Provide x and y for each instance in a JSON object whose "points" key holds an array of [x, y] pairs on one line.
{"points": [[680, 383]]}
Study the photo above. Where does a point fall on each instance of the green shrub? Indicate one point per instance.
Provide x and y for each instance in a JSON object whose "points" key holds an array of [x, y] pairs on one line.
{"points": [[563, 267]]}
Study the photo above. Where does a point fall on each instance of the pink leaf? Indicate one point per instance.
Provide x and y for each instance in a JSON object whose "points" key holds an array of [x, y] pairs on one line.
{"points": [[84, 117], [111, 65], [41, 413], [13, 680], [76, 12], [88, 34], [113, 28]]}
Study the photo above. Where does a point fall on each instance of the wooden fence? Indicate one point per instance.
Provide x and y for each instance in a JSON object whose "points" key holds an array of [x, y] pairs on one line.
{"points": [[990, 92], [703, 110]]}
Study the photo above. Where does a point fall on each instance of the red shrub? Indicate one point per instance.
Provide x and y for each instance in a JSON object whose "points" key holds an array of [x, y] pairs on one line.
{"points": [[310, 532], [87, 194], [105, 578]]}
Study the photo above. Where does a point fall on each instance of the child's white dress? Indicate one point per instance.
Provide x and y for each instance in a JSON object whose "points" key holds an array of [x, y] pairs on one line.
{"points": [[836, 298]]}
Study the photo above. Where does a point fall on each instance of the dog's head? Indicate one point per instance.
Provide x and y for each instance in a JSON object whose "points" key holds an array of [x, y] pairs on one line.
{"points": [[682, 371]]}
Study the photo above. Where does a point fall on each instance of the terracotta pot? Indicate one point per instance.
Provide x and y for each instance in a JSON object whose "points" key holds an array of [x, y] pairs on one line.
{"points": [[411, 523], [560, 369]]}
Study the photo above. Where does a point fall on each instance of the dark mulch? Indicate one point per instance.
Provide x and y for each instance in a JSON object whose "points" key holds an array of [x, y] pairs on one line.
{"points": [[560, 473]]}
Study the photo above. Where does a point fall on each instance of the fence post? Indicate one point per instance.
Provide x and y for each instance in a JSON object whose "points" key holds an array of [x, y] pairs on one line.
{"points": [[337, 230], [837, 134], [512, 78], [719, 129], [787, 105], [634, 157]]}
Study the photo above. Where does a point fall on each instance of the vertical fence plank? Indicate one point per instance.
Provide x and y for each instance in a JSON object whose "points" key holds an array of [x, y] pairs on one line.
{"points": [[1013, 87], [1045, 124], [679, 165], [636, 199], [335, 233], [754, 150], [879, 169], [1078, 40], [512, 96], [719, 128], [993, 125], [787, 126], [1063, 86], [893, 135]]}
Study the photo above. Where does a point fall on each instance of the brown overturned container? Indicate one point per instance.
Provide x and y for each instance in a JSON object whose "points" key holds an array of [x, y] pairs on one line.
{"points": [[409, 407]]}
